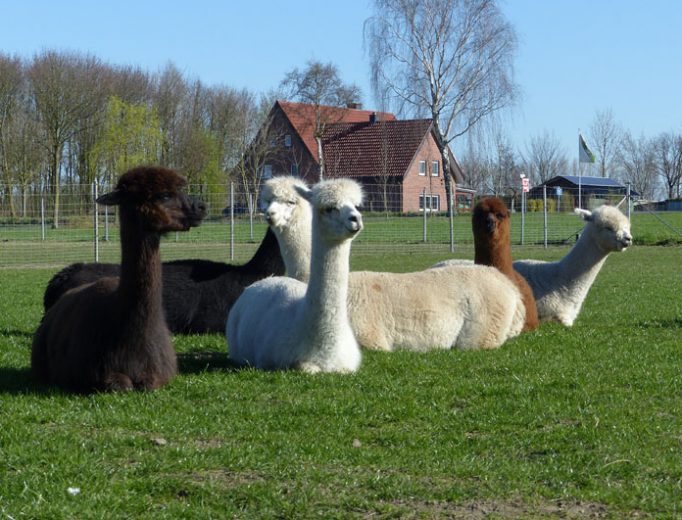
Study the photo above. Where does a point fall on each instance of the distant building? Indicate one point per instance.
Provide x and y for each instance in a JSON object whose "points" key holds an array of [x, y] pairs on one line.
{"points": [[397, 162], [591, 189]]}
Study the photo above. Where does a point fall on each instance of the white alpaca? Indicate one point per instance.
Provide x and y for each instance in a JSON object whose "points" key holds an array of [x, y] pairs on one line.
{"points": [[280, 322], [560, 288], [465, 307]]}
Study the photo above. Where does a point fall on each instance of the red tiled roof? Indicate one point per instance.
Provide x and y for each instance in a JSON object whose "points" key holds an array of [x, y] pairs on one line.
{"points": [[365, 149], [302, 118]]}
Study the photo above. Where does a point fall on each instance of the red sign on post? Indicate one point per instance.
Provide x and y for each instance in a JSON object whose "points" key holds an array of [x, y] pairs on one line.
{"points": [[525, 184]]}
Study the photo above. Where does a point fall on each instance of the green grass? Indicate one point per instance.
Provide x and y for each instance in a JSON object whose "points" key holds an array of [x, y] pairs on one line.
{"points": [[583, 422]]}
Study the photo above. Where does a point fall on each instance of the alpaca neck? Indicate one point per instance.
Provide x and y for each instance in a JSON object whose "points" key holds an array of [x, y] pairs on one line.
{"points": [[267, 259], [584, 261], [496, 253], [295, 245], [327, 290], [140, 282]]}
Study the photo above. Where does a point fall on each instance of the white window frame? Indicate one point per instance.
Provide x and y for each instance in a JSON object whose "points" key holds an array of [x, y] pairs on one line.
{"points": [[294, 169], [267, 171], [422, 168], [432, 207], [435, 165]]}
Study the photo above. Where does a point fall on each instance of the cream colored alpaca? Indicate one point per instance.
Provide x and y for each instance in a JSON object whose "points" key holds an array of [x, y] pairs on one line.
{"points": [[464, 307]]}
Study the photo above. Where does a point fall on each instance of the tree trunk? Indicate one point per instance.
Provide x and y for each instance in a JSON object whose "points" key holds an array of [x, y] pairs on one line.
{"points": [[320, 157]]}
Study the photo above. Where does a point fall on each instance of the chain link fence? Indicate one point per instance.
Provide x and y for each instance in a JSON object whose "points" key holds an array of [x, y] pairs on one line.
{"points": [[32, 233]]}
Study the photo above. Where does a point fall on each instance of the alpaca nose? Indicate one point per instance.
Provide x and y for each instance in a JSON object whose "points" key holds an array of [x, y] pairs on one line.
{"points": [[199, 207], [490, 224]]}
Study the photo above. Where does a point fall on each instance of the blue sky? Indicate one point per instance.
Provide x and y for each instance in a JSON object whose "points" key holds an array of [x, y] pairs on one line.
{"points": [[575, 57]]}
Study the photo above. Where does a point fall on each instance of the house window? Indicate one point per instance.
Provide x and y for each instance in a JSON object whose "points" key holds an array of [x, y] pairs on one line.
{"points": [[432, 203], [294, 169], [267, 171], [287, 140], [435, 165], [422, 167]]}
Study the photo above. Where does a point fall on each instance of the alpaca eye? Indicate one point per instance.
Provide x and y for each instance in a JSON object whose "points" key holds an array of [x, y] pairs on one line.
{"points": [[164, 197], [328, 211]]}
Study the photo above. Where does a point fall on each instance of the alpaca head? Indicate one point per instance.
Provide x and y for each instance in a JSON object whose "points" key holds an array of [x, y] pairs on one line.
{"points": [[282, 204], [491, 220], [335, 211], [608, 227], [154, 196]]}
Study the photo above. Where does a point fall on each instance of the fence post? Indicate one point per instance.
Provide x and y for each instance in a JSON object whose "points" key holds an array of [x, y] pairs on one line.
{"points": [[231, 221], [523, 215], [95, 222], [252, 210], [106, 223], [424, 212], [42, 218], [628, 195], [544, 209]]}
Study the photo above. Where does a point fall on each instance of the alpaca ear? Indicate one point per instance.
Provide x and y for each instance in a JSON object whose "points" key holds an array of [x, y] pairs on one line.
{"points": [[113, 198], [585, 214], [304, 192]]}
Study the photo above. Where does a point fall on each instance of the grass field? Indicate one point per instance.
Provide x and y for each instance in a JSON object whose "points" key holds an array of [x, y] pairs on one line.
{"points": [[583, 422], [73, 242]]}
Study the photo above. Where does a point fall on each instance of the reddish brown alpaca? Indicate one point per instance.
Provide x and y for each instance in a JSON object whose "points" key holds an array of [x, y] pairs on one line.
{"points": [[491, 225], [111, 334]]}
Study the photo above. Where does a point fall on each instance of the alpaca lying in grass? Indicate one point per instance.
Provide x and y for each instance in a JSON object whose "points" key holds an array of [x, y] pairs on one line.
{"points": [[111, 334], [197, 294], [492, 246], [560, 288], [463, 307], [282, 323]]}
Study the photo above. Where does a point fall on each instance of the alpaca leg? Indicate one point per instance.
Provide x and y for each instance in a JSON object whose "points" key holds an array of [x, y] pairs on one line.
{"points": [[307, 367], [116, 381]]}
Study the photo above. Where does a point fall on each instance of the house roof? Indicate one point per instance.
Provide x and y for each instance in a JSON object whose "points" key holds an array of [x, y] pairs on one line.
{"points": [[302, 118], [383, 148]]}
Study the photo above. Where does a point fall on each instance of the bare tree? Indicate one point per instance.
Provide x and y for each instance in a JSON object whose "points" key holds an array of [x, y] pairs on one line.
{"points": [[668, 148], [171, 92], [11, 74], [320, 85], [544, 158], [66, 92], [450, 58], [605, 133], [636, 160]]}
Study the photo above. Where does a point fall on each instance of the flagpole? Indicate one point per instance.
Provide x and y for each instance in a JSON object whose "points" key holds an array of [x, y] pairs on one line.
{"points": [[580, 176]]}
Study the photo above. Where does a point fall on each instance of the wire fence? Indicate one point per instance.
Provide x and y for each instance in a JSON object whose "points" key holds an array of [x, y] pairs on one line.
{"points": [[35, 231]]}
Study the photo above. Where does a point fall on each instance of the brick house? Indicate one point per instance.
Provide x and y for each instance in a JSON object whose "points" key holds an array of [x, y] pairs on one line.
{"points": [[397, 162]]}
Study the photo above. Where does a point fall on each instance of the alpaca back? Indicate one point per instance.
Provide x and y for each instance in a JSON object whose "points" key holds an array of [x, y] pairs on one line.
{"points": [[197, 294], [465, 307]]}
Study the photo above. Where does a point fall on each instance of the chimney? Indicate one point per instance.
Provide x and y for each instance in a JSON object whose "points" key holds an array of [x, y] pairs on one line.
{"points": [[353, 105], [373, 117]]}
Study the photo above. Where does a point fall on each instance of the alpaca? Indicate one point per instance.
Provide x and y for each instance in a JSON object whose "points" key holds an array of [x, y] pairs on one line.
{"points": [[561, 287], [281, 323], [111, 334], [492, 246], [464, 307], [197, 294]]}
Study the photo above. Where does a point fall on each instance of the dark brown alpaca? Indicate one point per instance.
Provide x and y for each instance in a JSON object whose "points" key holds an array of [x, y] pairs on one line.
{"points": [[491, 225], [111, 334]]}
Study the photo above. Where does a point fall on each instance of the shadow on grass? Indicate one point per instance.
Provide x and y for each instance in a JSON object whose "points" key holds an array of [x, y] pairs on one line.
{"points": [[16, 332], [666, 323], [17, 381], [200, 362]]}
